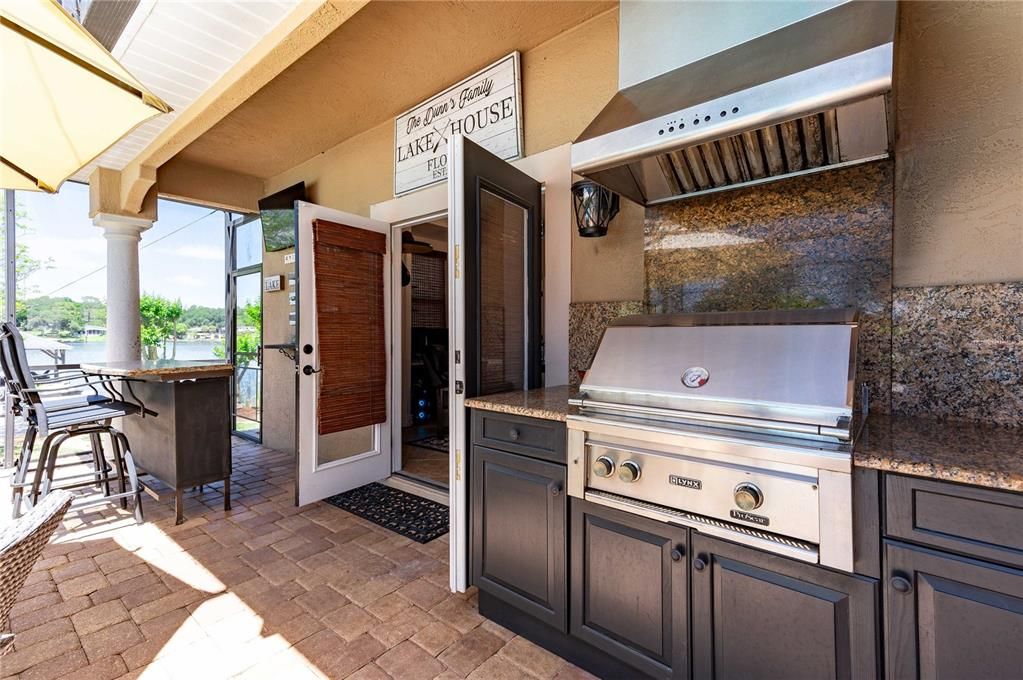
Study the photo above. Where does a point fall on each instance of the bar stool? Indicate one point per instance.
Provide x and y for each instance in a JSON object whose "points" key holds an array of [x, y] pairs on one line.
{"points": [[61, 419]]}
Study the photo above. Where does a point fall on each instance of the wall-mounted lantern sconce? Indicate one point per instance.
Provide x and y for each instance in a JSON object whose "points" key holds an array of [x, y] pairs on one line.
{"points": [[595, 207]]}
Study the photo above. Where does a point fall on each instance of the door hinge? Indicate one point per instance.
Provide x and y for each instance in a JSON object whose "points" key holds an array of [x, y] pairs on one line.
{"points": [[458, 464], [458, 356], [459, 387], [543, 229], [458, 260]]}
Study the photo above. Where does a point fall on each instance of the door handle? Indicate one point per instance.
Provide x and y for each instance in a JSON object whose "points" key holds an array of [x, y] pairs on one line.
{"points": [[309, 370], [555, 488]]}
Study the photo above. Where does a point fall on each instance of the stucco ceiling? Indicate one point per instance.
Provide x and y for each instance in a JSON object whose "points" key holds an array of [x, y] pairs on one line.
{"points": [[382, 61]]}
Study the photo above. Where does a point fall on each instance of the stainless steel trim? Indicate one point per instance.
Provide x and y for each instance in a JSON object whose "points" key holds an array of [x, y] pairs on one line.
{"points": [[762, 540], [836, 518]]}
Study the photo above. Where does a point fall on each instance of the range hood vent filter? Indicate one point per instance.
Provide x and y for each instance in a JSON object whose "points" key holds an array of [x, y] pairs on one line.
{"points": [[769, 152]]}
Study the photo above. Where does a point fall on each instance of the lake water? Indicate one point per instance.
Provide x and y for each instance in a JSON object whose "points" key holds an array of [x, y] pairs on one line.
{"points": [[96, 350]]}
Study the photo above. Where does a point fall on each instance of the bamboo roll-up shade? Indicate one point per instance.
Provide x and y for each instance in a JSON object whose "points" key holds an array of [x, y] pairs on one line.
{"points": [[349, 266]]}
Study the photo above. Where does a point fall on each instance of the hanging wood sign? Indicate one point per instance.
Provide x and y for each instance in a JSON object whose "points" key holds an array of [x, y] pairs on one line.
{"points": [[486, 107]]}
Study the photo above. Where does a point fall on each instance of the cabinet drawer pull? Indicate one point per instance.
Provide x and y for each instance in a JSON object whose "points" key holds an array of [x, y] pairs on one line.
{"points": [[699, 564], [901, 585], [676, 555], [513, 434]]}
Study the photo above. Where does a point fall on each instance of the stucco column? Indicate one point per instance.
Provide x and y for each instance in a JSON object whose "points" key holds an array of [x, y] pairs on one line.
{"points": [[123, 235]]}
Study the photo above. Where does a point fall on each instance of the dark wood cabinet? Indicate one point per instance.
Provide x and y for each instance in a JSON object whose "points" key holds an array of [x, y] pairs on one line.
{"points": [[626, 596], [951, 617], [981, 523], [759, 615], [519, 513], [629, 588]]}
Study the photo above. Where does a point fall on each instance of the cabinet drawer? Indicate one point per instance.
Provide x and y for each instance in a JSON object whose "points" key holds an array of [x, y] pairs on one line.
{"points": [[529, 436], [978, 522]]}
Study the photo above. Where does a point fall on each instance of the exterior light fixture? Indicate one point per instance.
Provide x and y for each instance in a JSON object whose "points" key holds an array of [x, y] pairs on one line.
{"points": [[595, 207]]}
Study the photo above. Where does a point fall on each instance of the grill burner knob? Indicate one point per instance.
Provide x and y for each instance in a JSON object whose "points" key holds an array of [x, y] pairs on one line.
{"points": [[603, 466], [748, 496], [628, 471]]}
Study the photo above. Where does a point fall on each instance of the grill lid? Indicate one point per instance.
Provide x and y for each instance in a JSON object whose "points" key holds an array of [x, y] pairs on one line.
{"points": [[782, 370]]}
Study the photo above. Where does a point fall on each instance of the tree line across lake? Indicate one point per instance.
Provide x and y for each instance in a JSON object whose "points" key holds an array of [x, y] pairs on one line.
{"points": [[65, 319]]}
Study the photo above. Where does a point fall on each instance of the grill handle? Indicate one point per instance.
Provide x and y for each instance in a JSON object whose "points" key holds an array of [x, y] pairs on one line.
{"points": [[583, 401]]}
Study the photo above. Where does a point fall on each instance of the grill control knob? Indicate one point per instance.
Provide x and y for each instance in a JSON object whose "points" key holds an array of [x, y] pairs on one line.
{"points": [[748, 496], [603, 466], [628, 471]]}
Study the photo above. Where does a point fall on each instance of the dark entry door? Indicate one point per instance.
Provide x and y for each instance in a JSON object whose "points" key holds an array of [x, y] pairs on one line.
{"points": [[494, 274]]}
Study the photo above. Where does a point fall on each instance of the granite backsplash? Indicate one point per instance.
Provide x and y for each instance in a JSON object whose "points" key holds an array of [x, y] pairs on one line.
{"points": [[586, 324], [958, 352], [822, 240]]}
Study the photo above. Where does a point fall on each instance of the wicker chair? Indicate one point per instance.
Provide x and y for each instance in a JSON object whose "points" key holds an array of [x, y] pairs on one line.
{"points": [[21, 542]]}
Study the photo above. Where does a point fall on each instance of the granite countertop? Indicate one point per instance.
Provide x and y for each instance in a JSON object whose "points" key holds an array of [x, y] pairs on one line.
{"points": [[964, 452], [162, 369], [547, 403]]}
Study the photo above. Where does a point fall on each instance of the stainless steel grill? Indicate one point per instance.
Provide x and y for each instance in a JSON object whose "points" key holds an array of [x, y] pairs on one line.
{"points": [[737, 424]]}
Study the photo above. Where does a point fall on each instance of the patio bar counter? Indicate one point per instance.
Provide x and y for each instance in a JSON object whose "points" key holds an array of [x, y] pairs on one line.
{"points": [[187, 442]]}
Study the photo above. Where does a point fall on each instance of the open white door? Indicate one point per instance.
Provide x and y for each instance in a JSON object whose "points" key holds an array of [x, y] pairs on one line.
{"points": [[344, 351], [495, 316]]}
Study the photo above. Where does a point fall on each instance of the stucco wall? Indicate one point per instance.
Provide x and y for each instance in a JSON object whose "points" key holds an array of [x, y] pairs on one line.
{"points": [[959, 145], [278, 369], [565, 83]]}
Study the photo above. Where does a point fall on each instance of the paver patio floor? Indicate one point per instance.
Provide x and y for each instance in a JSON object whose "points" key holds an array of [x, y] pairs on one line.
{"points": [[265, 590]]}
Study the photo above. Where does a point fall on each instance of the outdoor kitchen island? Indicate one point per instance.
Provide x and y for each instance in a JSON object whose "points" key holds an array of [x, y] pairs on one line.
{"points": [[937, 542], [185, 438]]}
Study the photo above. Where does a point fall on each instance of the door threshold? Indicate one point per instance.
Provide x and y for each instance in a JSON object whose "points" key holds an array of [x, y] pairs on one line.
{"points": [[417, 488]]}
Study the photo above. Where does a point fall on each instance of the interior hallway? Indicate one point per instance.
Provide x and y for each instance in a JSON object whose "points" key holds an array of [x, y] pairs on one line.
{"points": [[266, 590]]}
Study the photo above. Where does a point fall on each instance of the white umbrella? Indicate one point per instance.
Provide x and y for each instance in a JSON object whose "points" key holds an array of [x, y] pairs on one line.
{"points": [[65, 99]]}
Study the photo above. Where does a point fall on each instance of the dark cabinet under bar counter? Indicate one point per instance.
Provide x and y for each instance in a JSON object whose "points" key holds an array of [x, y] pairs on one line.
{"points": [[184, 439]]}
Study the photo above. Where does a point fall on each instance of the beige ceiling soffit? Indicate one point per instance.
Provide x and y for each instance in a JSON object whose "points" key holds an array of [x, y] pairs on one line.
{"points": [[310, 22], [184, 180]]}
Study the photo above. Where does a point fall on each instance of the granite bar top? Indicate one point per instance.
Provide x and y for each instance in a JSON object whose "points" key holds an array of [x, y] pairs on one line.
{"points": [[163, 370], [546, 403], [954, 451]]}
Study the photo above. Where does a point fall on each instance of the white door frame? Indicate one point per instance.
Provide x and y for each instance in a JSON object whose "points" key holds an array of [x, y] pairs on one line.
{"points": [[553, 168], [314, 481], [403, 212]]}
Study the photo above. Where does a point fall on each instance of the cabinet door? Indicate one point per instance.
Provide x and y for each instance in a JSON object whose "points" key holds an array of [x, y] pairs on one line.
{"points": [[519, 511], [951, 617], [759, 615], [629, 588]]}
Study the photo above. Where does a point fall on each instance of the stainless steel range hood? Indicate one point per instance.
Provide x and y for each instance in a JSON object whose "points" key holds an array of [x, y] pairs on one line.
{"points": [[716, 95]]}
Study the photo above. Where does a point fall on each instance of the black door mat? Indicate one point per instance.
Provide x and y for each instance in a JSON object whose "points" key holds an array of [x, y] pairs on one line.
{"points": [[413, 517], [433, 443]]}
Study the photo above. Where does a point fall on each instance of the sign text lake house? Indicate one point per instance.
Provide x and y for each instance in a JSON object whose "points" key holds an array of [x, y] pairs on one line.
{"points": [[486, 107]]}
